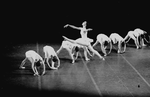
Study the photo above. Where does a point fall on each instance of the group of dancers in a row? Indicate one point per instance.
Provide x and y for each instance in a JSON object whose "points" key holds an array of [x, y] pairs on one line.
{"points": [[140, 37]]}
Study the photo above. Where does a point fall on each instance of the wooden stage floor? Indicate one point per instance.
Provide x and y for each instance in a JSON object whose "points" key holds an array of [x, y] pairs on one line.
{"points": [[122, 75]]}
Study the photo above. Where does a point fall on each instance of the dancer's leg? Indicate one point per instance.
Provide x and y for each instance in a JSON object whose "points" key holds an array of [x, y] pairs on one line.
{"points": [[88, 51], [71, 55], [43, 68], [95, 43], [58, 51], [58, 61], [136, 43], [119, 47], [95, 52], [47, 61], [103, 49], [85, 54]]}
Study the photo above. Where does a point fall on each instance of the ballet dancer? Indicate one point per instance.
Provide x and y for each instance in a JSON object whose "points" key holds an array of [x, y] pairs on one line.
{"points": [[83, 30], [116, 38], [133, 35], [146, 37], [142, 36], [86, 43], [35, 59], [51, 55], [73, 49], [104, 40]]}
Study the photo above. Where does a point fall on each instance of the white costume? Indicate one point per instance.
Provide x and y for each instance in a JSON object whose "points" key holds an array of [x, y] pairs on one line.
{"points": [[102, 38], [83, 42], [83, 33], [73, 48], [116, 38], [133, 35], [33, 57], [50, 54], [141, 32]]}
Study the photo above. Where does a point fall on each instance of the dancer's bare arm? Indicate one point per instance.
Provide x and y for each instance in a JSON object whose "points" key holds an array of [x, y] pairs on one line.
{"points": [[72, 26]]}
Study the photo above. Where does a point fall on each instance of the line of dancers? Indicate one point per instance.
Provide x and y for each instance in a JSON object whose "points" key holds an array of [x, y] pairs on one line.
{"points": [[140, 37]]}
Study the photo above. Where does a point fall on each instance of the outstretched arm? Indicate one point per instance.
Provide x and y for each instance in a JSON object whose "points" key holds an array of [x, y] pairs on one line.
{"points": [[72, 26], [89, 29]]}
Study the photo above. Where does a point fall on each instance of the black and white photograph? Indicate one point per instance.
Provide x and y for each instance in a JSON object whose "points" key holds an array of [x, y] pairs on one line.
{"points": [[75, 48]]}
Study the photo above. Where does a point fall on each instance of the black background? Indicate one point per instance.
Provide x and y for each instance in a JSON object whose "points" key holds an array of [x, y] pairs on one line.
{"points": [[30, 22]]}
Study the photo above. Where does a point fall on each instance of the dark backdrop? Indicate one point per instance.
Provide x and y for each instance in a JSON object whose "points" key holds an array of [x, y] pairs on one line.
{"points": [[30, 22]]}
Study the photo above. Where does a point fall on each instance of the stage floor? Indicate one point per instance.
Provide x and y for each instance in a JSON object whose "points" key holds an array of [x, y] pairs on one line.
{"points": [[125, 74]]}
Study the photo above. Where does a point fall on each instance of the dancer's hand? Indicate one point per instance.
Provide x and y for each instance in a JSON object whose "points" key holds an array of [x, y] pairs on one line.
{"points": [[36, 74], [66, 26]]}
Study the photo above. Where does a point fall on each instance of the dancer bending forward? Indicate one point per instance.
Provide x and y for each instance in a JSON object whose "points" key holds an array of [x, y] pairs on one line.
{"points": [[116, 38], [51, 55], [73, 49], [104, 41], [35, 59], [84, 42], [133, 35], [143, 35]]}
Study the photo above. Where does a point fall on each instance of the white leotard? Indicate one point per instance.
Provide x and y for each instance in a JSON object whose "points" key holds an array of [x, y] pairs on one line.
{"points": [[32, 54], [49, 51], [102, 38], [115, 38]]}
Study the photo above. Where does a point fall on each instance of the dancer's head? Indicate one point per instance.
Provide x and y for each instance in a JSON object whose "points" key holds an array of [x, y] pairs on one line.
{"points": [[54, 59], [38, 63], [84, 23]]}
